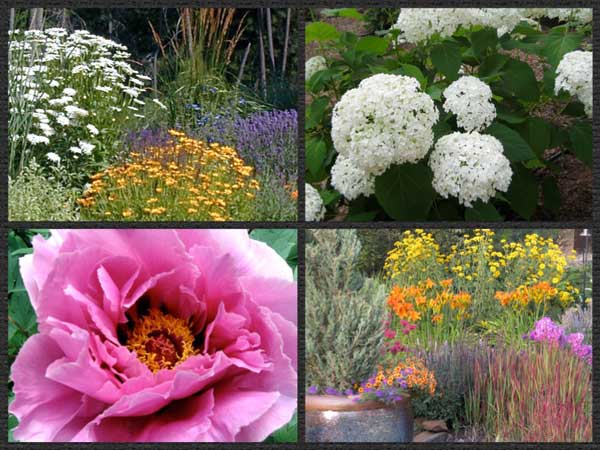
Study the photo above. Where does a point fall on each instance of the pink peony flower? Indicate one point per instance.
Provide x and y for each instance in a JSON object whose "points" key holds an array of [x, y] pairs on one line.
{"points": [[156, 335]]}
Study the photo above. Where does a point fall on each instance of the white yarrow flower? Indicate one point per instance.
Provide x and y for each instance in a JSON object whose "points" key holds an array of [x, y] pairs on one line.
{"points": [[470, 99], [92, 129], [469, 166], [36, 139], [159, 103], [314, 208], [86, 147], [53, 157]]}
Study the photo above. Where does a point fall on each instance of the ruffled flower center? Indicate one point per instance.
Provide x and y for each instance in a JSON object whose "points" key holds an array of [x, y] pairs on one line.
{"points": [[160, 340]]}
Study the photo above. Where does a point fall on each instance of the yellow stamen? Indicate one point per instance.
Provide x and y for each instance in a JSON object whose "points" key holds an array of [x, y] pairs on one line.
{"points": [[161, 341]]}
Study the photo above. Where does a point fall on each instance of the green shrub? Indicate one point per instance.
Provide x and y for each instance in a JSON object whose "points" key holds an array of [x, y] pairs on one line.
{"points": [[344, 312], [32, 196]]}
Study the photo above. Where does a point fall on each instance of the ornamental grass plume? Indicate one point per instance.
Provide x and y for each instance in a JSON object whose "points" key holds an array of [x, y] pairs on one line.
{"points": [[156, 335], [186, 179], [540, 394], [344, 330]]}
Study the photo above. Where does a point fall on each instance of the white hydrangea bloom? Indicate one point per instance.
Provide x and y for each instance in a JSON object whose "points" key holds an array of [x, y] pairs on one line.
{"points": [[419, 24], [469, 166], [314, 65], [385, 121], [470, 99], [502, 19], [314, 208], [579, 15], [574, 75], [350, 180]]}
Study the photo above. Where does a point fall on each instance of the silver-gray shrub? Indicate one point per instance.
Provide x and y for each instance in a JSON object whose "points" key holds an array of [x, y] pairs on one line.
{"points": [[344, 312], [578, 319]]}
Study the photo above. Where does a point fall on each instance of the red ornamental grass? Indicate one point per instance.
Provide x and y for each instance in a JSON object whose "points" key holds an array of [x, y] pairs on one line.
{"points": [[542, 394]]}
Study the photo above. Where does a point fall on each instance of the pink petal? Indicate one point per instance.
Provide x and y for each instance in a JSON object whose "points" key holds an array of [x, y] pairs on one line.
{"points": [[279, 295], [42, 406]]}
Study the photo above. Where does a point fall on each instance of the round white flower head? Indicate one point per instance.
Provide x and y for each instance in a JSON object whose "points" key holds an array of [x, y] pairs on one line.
{"points": [[469, 166], [574, 75], [385, 121], [350, 180], [314, 208], [470, 99], [313, 65]]}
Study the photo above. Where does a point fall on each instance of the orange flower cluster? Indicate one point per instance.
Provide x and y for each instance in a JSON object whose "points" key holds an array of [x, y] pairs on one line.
{"points": [[185, 179], [428, 298], [413, 370], [521, 297]]}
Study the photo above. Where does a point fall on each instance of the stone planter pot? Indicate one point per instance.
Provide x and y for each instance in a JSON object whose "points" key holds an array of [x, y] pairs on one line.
{"points": [[332, 418]]}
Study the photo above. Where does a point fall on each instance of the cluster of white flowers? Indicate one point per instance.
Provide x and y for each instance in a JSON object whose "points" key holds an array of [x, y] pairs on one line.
{"points": [[385, 121], [469, 166], [314, 208], [50, 73], [577, 15], [574, 75], [470, 99], [419, 24], [314, 65], [350, 180]]}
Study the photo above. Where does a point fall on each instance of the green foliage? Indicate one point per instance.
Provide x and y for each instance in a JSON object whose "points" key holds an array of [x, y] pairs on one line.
{"points": [[21, 317], [404, 192], [380, 19], [33, 196], [287, 433], [344, 311], [395, 188]]}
